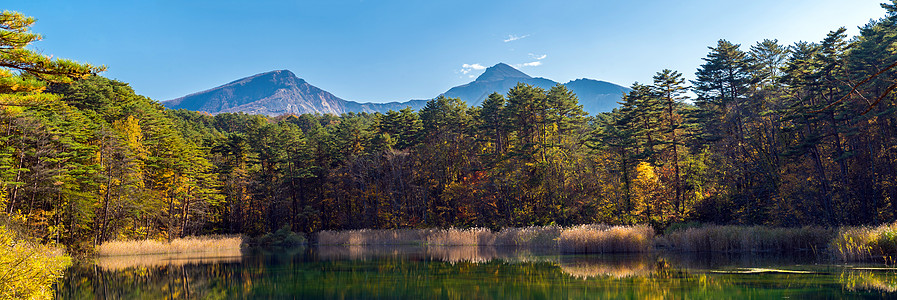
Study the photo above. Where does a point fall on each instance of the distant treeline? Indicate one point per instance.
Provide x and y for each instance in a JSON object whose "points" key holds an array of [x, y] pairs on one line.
{"points": [[776, 134]]}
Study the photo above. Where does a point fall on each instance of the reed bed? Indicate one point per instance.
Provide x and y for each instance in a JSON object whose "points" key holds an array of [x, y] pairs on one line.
{"points": [[865, 243], [374, 237], [208, 244], [606, 239], [578, 239], [461, 237], [530, 237], [748, 239]]}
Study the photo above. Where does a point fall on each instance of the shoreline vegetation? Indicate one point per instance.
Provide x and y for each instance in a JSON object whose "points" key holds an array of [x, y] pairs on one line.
{"points": [[212, 244], [847, 244], [28, 269]]}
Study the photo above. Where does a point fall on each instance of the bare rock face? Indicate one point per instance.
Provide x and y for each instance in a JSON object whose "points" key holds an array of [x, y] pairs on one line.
{"points": [[281, 92]]}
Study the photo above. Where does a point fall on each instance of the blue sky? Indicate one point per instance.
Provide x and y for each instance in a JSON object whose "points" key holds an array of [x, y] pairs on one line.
{"points": [[380, 51]]}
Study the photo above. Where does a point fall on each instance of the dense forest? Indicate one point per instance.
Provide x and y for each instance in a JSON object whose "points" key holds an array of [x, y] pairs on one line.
{"points": [[770, 134]]}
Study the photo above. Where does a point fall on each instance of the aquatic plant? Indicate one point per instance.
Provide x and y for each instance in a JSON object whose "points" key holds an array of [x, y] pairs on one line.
{"points": [[715, 238], [373, 237], [860, 243], [210, 243], [606, 239]]}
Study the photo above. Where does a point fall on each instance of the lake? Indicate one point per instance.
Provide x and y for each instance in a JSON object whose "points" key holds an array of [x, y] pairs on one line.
{"points": [[428, 272]]}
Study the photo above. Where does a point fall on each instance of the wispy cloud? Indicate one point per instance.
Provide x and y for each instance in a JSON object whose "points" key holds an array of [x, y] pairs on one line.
{"points": [[529, 64], [538, 57], [467, 68], [512, 37]]}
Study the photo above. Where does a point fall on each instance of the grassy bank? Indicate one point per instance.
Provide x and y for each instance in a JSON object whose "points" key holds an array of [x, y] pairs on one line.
{"points": [[210, 244]]}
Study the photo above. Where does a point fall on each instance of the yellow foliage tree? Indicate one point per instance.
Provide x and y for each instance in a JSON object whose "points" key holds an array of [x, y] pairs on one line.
{"points": [[28, 270]]}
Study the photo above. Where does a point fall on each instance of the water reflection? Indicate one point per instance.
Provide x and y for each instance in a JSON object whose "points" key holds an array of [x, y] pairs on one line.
{"points": [[467, 272], [113, 263], [616, 266]]}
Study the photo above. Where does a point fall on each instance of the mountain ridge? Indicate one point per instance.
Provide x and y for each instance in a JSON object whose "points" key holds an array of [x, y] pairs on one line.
{"points": [[282, 92]]}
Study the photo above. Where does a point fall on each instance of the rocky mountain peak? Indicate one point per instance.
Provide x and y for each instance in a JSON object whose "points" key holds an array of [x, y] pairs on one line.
{"points": [[501, 71]]}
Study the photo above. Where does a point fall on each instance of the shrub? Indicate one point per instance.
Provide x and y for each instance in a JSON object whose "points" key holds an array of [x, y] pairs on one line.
{"points": [[28, 270], [282, 238]]}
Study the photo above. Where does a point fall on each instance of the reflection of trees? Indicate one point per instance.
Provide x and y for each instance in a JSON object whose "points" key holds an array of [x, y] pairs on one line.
{"points": [[422, 272]]}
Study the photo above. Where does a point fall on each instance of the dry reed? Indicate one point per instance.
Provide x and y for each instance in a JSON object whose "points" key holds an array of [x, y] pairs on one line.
{"points": [[461, 237], [209, 244], [606, 239], [866, 243], [374, 237], [749, 239], [578, 239]]}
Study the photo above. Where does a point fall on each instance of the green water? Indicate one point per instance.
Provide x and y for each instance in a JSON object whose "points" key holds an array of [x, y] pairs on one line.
{"points": [[474, 273]]}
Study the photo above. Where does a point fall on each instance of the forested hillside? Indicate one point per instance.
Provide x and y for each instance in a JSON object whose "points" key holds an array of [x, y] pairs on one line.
{"points": [[777, 134]]}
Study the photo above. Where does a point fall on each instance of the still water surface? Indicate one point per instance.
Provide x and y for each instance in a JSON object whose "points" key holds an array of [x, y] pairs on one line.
{"points": [[473, 273]]}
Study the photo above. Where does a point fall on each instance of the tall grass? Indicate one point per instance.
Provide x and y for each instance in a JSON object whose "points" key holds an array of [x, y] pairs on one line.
{"points": [[606, 239], [460, 237], [374, 237], [715, 238], [866, 243], [211, 244], [578, 239]]}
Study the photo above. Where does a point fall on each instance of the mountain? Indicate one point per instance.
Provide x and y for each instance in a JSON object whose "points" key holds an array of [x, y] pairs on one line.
{"points": [[498, 78], [276, 93], [281, 92], [595, 96]]}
